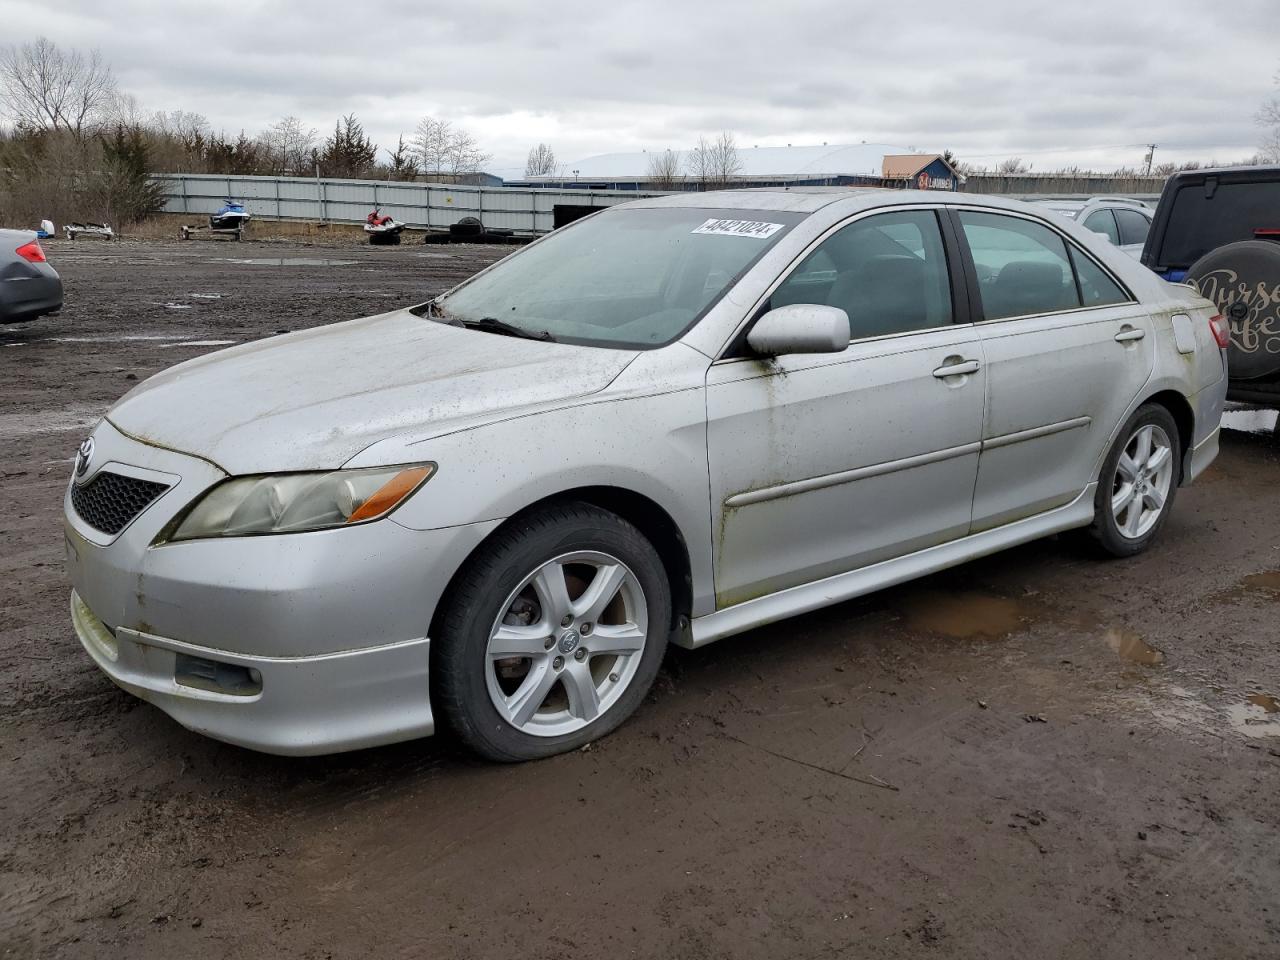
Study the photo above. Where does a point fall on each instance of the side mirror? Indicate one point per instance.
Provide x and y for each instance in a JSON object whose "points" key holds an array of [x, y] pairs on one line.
{"points": [[800, 328]]}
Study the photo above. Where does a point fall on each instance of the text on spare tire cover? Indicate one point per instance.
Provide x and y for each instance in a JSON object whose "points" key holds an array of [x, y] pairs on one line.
{"points": [[1253, 312]]}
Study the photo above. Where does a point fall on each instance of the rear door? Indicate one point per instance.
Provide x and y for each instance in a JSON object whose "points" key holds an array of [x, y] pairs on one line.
{"points": [[1067, 350]]}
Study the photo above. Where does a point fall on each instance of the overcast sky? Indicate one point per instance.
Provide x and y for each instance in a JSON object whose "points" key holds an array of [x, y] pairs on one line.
{"points": [[1072, 82]]}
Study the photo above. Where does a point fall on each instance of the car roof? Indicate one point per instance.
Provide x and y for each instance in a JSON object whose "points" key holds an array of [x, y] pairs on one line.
{"points": [[1259, 171], [808, 200]]}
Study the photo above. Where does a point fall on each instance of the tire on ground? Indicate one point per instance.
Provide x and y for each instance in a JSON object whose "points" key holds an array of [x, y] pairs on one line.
{"points": [[459, 647], [1105, 530], [467, 227]]}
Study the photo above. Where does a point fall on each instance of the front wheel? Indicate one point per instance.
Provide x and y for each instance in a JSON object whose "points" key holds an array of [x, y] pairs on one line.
{"points": [[552, 635], [1138, 483]]}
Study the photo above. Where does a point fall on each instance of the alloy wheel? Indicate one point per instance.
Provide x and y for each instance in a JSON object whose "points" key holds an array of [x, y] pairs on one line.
{"points": [[1143, 479], [566, 643]]}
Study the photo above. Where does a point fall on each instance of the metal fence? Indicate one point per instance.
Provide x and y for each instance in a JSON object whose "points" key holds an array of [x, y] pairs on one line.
{"points": [[350, 201]]}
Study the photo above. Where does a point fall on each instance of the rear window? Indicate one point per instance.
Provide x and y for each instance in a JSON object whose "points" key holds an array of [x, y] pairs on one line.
{"points": [[1198, 224]]}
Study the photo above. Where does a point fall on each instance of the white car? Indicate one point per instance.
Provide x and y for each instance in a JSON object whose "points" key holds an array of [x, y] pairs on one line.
{"points": [[1125, 223], [674, 420]]}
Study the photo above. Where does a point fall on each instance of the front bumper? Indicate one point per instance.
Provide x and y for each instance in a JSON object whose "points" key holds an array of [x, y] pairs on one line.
{"points": [[301, 706], [332, 624]]}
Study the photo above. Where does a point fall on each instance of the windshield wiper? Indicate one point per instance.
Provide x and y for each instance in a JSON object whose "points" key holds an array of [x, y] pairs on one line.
{"points": [[494, 325]]}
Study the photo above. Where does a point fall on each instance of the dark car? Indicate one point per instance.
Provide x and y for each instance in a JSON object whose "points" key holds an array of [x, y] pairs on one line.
{"points": [[1219, 230], [29, 287]]}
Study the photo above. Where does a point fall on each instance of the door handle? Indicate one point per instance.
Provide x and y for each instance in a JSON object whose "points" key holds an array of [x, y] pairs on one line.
{"points": [[956, 369], [1127, 334]]}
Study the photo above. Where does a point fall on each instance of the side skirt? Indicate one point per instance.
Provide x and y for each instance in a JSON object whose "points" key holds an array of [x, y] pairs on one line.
{"points": [[887, 573]]}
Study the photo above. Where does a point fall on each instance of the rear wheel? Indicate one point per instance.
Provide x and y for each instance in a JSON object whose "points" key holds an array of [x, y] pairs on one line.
{"points": [[1138, 483], [551, 636]]}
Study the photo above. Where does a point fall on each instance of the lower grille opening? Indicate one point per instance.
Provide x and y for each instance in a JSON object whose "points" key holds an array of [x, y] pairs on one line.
{"points": [[216, 676]]}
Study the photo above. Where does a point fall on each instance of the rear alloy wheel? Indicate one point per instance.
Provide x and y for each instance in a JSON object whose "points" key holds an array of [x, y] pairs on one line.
{"points": [[552, 635], [1138, 483]]}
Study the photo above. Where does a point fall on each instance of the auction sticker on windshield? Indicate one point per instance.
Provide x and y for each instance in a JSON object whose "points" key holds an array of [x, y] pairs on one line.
{"points": [[740, 228]]}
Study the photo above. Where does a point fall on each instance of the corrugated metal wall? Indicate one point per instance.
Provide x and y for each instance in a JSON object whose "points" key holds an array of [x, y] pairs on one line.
{"points": [[417, 204]]}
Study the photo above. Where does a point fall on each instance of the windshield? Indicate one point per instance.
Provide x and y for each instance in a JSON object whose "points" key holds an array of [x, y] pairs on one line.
{"points": [[632, 278]]}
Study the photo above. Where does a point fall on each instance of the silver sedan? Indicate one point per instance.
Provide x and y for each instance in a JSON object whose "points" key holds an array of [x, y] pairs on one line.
{"points": [[672, 421]]}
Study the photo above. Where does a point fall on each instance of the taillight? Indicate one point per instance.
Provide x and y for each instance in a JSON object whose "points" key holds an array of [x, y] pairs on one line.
{"points": [[31, 252], [1221, 330]]}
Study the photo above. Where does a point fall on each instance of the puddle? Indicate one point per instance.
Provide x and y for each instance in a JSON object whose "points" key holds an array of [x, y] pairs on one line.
{"points": [[205, 296], [1133, 648], [200, 343], [1266, 583], [286, 262], [1268, 703], [1250, 421], [1258, 716], [962, 616], [177, 306]]}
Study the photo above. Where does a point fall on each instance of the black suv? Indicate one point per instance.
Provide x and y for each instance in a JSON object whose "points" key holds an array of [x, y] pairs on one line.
{"points": [[1219, 230]]}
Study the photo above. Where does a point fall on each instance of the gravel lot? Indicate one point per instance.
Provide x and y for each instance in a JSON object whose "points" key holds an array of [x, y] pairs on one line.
{"points": [[1038, 754]]}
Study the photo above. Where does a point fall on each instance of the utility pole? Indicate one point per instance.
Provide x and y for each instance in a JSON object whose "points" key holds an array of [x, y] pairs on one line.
{"points": [[1151, 154]]}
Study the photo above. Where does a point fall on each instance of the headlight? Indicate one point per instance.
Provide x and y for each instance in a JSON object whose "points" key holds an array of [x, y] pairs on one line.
{"points": [[294, 502]]}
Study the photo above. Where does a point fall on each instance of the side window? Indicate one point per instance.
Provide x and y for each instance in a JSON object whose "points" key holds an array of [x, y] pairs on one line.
{"points": [[1023, 268], [1096, 288], [1101, 221], [888, 272], [1133, 226]]}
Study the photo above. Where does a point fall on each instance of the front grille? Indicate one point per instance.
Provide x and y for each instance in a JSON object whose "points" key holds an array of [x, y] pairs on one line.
{"points": [[110, 501]]}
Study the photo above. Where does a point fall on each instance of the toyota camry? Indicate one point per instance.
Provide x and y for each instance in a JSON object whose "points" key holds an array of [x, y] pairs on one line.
{"points": [[672, 421]]}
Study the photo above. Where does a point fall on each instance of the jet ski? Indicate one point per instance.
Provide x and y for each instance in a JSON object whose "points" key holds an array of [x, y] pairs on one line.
{"points": [[231, 216], [382, 229]]}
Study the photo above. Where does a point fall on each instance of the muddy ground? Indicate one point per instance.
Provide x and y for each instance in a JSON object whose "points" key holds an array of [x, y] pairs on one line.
{"points": [[1039, 754]]}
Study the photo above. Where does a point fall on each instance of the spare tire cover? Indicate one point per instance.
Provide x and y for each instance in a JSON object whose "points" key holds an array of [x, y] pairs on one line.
{"points": [[1243, 281]]}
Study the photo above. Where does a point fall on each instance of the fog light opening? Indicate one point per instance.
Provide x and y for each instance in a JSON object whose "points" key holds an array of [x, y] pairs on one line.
{"points": [[216, 676]]}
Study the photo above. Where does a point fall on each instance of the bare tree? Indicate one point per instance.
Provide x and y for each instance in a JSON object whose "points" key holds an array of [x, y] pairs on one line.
{"points": [[465, 155], [442, 148], [43, 87], [1012, 165], [541, 162], [431, 142], [715, 163], [664, 170], [1268, 117], [289, 146]]}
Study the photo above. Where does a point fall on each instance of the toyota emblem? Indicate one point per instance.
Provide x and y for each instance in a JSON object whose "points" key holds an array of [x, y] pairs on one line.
{"points": [[84, 456]]}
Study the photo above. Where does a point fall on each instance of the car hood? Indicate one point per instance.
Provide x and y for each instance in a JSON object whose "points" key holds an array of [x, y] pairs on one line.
{"points": [[311, 400]]}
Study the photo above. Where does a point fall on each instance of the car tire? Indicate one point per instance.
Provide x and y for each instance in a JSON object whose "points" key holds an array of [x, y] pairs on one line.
{"points": [[503, 601], [1141, 470]]}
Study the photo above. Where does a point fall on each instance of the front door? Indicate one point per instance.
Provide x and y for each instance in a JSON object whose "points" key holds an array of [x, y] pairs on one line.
{"points": [[824, 463]]}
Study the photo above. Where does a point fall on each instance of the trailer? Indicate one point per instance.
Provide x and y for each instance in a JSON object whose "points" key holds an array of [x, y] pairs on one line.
{"points": [[232, 233]]}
